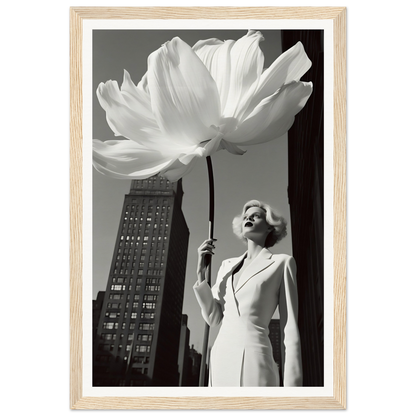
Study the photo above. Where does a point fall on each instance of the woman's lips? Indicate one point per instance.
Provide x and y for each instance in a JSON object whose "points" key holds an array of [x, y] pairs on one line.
{"points": [[248, 224]]}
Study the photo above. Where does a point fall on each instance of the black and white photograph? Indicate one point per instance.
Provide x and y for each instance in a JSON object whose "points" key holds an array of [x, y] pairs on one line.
{"points": [[208, 208]]}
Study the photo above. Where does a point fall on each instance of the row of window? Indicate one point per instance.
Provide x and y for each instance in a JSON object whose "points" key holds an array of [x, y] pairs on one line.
{"points": [[127, 258], [148, 226], [134, 315], [148, 288], [152, 288], [143, 326], [151, 202], [135, 240], [152, 180], [111, 347], [136, 359], [149, 272], [146, 297], [130, 270], [145, 242], [140, 337], [145, 239], [125, 254], [138, 281], [132, 325], [135, 218]]}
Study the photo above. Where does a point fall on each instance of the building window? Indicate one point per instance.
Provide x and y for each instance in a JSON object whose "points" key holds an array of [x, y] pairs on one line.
{"points": [[144, 337], [141, 359], [112, 315], [118, 287], [142, 348], [134, 315], [152, 288], [150, 297], [147, 315], [146, 326], [113, 305]]}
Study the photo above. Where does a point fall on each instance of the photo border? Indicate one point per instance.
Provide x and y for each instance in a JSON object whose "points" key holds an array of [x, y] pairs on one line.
{"points": [[338, 17]]}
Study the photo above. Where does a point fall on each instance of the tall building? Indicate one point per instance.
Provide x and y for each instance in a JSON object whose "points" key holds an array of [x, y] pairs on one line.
{"points": [[305, 191], [139, 329]]}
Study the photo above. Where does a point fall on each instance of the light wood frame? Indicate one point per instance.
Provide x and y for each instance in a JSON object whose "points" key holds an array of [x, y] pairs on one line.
{"points": [[338, 17]]}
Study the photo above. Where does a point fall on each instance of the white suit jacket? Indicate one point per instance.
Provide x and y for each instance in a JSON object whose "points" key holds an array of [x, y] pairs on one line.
{"points": [[242, 352]]}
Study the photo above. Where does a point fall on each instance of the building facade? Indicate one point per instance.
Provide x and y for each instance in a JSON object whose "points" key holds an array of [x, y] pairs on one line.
{"points": [[305, 191], [184, 354], [138, 333], [275, 339]]}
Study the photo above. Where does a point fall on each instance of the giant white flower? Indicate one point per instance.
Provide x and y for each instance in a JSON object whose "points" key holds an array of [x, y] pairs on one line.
{"points": [[195, 101]]}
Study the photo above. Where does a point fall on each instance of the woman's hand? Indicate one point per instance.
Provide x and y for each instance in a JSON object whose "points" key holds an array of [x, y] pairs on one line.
{"points": [[204, 250]]}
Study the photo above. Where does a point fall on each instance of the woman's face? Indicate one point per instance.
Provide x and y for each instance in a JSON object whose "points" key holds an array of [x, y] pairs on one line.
{"points": [[254, 224]]}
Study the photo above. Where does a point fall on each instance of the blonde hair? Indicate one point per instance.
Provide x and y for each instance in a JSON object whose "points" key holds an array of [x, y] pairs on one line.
{"points": [[278, 223]]}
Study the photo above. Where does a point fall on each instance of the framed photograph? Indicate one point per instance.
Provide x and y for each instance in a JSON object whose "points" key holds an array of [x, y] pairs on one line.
{"points": [[208, 208]]}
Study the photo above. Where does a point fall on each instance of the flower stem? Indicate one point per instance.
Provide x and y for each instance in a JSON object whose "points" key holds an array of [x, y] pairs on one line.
{"points": [[208, 268], [211, 197]]}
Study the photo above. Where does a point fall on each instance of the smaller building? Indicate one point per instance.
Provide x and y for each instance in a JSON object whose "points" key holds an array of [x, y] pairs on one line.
{"points": [[275, 339], [183, 357]]}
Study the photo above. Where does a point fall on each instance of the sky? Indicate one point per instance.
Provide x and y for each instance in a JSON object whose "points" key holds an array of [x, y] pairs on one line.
{"points": [[261, 173]]}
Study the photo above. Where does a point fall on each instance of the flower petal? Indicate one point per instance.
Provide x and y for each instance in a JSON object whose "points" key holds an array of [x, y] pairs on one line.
{"points": [[177, 170], [137, 98], [288, 67], [126, 159], [122, 116], [273, 116], [215, 54], [208, 148], [232, 148], [184, 96], [247, 61]]}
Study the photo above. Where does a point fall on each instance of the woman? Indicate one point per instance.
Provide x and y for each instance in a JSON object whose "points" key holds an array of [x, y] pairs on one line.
{"points": [[244, 298]]}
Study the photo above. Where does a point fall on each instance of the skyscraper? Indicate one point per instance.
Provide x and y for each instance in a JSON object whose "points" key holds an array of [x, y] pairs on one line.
{"points": [[140, 324], [306, 197]]}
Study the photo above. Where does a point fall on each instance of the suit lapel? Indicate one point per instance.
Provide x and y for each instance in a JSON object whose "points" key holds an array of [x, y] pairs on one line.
{"points": [[228, 274], [261, 262], [233, 263]]}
